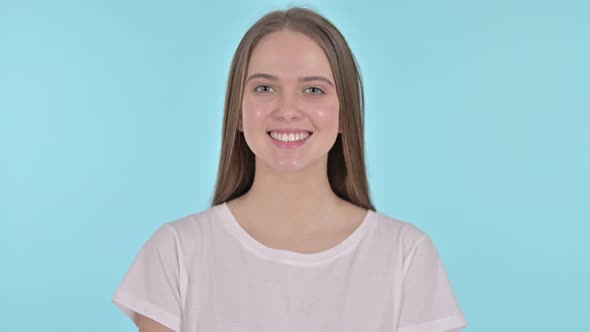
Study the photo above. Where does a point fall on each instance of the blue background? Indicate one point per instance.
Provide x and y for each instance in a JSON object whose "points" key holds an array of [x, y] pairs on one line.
{"points": [[477, 116]]}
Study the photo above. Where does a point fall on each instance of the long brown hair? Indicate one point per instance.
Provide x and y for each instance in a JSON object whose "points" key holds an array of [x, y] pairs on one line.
{"points": [[346, 159]]}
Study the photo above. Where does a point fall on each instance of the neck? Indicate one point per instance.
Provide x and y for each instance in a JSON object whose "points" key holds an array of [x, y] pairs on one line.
{"points": [[291, 200]]}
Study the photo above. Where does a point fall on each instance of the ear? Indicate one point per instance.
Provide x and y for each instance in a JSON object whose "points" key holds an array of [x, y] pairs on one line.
{"points": [[240, 125]]}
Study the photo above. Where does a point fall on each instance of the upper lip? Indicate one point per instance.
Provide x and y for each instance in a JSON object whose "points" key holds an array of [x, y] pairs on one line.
{"points": [[290, 130]]}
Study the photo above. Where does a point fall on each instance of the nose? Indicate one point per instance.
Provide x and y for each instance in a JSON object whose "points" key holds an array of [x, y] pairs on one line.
{"points": [[287, 107]]}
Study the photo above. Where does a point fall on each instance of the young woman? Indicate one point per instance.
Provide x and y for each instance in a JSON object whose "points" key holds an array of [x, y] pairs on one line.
{"points": [[291, 241]]}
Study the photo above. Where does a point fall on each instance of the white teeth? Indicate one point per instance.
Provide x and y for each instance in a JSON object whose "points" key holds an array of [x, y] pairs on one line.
{"points": [[289, 137]]}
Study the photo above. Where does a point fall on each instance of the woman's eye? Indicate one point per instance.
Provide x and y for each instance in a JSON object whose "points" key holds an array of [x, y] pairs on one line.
{"points": [[267, 88], [262, 86], [318, 91]]}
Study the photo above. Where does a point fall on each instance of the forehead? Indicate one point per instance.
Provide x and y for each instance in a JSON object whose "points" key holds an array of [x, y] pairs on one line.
{"points": [[289, 53]]}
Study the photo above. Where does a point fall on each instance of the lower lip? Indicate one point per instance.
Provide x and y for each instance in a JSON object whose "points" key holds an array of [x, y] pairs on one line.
{"points": [[288, 145]]}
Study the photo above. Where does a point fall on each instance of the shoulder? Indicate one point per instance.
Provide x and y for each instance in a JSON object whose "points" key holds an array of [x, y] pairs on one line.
{"points": [[194, 222], [403, 233], [187, 230], [183, 237]]}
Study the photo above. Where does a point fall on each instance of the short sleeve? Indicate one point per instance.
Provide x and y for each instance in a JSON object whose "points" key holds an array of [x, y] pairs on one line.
{"points": [[151, 285], [428, 302]]}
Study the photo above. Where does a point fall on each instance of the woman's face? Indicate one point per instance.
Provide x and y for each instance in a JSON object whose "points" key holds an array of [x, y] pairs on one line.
{"points": [[295, 93]]}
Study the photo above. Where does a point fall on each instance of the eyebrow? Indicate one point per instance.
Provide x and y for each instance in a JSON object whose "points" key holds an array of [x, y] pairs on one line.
{"points": [[302, 79]]}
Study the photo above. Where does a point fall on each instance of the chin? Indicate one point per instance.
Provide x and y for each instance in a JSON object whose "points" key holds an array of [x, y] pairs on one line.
{"points": [[283, 165], [289, 167]]}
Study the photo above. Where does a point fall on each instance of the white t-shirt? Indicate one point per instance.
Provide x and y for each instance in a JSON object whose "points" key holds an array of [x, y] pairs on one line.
{"points": [[204, 272]]}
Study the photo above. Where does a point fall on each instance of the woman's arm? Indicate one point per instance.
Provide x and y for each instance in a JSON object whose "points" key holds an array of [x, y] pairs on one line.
{"points": [[146, 324]]}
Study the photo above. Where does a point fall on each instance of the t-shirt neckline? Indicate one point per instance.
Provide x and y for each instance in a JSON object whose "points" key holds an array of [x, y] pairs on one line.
{"points": [[292, 257]]}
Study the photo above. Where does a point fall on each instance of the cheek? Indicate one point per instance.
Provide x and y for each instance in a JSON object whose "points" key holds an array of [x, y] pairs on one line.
{"points": [[254, 113], [327, 116]]}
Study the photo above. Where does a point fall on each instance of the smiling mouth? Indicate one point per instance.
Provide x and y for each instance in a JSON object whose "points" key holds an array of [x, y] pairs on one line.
{"points": [[289, 138]]}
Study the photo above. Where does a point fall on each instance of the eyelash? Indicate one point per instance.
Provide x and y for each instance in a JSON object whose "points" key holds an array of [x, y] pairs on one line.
{"points": [[313, 87]]}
